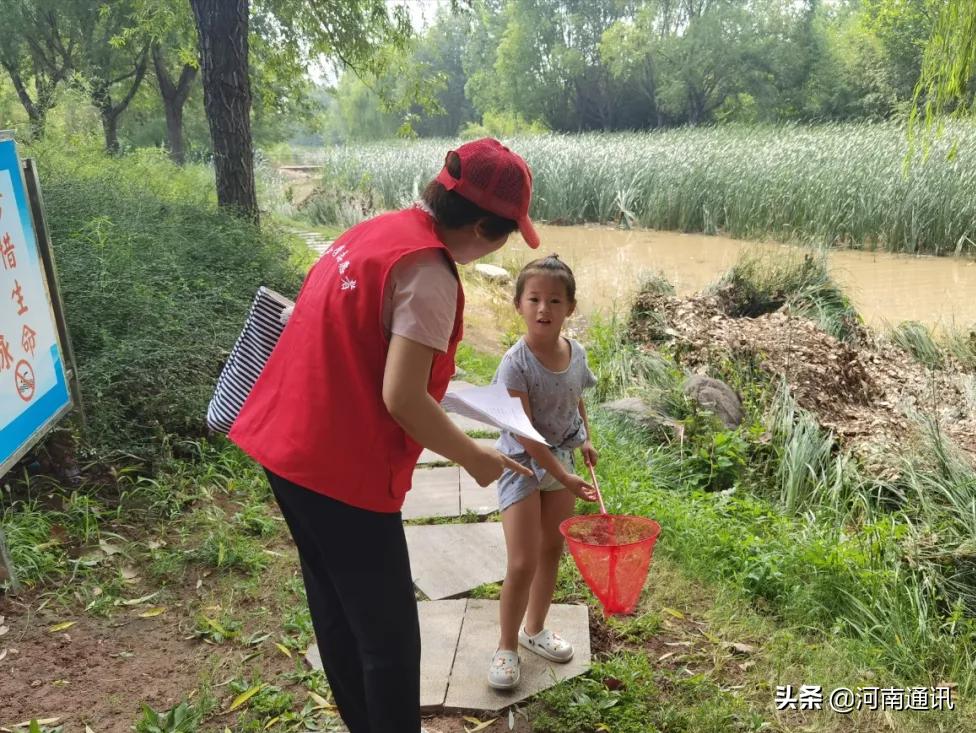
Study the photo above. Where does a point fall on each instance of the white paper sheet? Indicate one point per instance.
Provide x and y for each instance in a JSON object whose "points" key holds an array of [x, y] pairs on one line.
{"points": [[495, 406]]}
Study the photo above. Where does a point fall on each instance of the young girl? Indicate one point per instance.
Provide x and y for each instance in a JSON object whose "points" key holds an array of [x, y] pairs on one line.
{"points": [[548, 372]]}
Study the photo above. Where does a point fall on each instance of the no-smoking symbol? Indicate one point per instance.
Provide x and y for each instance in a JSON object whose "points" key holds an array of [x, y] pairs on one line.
{"points": [[24, 379]]}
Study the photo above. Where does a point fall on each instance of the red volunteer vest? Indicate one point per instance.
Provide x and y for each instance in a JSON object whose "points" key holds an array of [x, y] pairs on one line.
{"points": [[316, 415]]}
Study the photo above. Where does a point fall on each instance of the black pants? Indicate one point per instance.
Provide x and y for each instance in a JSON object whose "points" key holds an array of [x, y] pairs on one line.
{"points": [[360, 594]]}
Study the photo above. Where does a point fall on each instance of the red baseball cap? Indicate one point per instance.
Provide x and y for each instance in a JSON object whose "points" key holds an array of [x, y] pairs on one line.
{"points": [[496, 179]]}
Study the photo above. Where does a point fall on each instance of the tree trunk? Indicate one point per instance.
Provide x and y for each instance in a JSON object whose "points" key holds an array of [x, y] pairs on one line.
{"points": [[110, 125], [174, 131], [222, 26], [36, 112], [174, 98]]}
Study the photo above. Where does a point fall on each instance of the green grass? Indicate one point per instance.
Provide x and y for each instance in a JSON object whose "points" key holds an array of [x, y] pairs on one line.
{"points": [[475, 367], [962, 346], [917, 340], [833, 184]]}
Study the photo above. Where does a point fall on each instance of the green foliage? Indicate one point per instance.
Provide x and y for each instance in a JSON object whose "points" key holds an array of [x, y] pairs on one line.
{"points": [[502, 124], [636, 628], [182, 718], [962, 346], [156, 285], [808, 468], [606, 65], [807, 531], [254, 520], [717, 459], [268, 702], [948, 67], [298, 626], [327, 205]]}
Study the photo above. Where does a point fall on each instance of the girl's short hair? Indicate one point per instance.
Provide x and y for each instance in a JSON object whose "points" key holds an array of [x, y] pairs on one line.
{"points": [[454, 211], [550, 266]]}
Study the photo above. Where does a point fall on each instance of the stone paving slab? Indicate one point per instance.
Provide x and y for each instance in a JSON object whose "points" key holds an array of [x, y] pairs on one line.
{"points": [[440, 628], [435, 493], [448, 491], [468, 688], [482, 500], [428, 456], [457, 641], [448, 560]]}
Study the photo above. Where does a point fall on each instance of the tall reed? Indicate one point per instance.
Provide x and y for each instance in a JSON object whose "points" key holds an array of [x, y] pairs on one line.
{"points": [[831, 184]]}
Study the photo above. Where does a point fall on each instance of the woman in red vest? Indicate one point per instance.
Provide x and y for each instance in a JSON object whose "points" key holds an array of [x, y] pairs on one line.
{"points": [[348, 400]]}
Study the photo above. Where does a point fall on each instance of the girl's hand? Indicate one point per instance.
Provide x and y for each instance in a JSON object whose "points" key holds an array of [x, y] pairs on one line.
{"points": [[580, 488], [590, 455]]}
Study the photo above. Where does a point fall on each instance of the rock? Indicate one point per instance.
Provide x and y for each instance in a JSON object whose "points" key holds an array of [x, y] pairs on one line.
{"points": [[493, 273], [638, 411], [717, 397]]}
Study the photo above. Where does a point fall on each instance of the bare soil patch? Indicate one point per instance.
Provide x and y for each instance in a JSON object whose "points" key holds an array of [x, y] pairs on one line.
{"points": [[97, 672]]}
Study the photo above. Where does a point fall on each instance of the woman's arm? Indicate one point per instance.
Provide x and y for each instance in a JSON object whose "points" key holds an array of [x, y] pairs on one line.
{"points": [[405, 396]]}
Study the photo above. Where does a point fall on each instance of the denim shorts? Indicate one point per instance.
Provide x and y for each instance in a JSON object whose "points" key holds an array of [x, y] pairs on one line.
{"points": [[513, 487]]}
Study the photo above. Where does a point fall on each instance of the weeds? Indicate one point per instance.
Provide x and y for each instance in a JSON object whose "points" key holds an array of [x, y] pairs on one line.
{"points": [[156, 283], [917, 340], [35, 554], [181, 718], [224, 548], [214, 631], [615, 696], [757, 285], [255, 520]]}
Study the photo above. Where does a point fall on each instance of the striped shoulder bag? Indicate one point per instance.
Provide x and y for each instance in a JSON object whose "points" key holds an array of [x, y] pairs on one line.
{"points": [[248, 357]]}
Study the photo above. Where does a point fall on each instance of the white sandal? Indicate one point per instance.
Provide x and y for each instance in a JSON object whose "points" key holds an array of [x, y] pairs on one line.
{"points": [[547, 644], [504, 672]]}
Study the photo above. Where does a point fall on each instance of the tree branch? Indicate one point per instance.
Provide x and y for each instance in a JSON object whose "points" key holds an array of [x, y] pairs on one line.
{"points": [[140, 72]]}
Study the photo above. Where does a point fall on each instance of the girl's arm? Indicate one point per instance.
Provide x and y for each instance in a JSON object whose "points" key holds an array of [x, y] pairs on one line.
{"points": [[405, 396], [590, 455], [547, 459]]}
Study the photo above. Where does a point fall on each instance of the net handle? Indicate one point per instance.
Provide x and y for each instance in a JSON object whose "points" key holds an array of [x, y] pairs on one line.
{"points": [[596, 485]]}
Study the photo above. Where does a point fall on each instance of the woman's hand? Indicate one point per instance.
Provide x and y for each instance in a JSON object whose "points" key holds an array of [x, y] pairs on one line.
{"points": [[580, 488], [590, 455], [487, 464]]}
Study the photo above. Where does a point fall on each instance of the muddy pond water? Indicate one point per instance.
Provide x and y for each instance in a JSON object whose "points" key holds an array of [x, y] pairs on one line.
{"points": [[886, 288]]}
